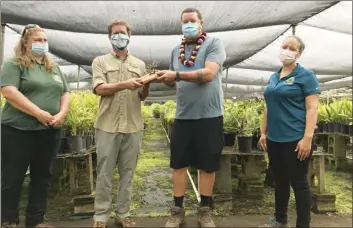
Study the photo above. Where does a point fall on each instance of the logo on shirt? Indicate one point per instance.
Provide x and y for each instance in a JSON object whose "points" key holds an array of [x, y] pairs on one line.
{"points": [[57, 78], [290, 81]]}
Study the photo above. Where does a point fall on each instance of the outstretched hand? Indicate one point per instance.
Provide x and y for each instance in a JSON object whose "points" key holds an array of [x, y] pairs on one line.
{"points": [[166, 76], [134, 83]]}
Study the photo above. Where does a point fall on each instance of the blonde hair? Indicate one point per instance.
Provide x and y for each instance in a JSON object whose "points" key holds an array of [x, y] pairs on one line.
{"points": [[117, 22], [26, 59]]}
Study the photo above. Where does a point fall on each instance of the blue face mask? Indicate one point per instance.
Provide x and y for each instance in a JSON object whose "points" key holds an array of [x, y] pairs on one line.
{"points": [[40, 48], [120, 41], [190, 29]]}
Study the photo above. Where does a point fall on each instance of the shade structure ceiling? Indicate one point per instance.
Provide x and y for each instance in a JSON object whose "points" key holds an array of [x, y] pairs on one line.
{"points": [[251, 32], [157, 17]]}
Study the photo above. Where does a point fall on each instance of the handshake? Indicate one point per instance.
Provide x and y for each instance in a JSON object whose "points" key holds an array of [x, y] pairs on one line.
{"points": [[159, 76]]}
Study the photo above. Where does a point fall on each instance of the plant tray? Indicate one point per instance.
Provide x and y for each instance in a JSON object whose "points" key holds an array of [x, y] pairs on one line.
{"points": [[148, 78]]}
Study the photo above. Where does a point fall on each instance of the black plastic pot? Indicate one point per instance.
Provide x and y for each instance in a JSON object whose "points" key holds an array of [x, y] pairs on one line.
{"points": [[331, 127], [320, 127], [93, 140], [337, 127], [75, 143], [88, 141], [244, 144], [229, 139], [325, 127], [255, 140], [351, 130], [64, 147], [345, 129]]}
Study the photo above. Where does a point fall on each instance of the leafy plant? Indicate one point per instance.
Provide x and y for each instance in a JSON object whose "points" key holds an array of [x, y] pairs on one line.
{"points": [[230, 121], [146, 111], [156, 109]]}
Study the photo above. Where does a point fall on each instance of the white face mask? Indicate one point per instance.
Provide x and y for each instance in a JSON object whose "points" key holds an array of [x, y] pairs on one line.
{"points": [[286, 56]]}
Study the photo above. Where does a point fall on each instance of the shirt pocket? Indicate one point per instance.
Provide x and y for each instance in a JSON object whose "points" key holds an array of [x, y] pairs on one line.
{"points": [[112, 73], [134, 71]]}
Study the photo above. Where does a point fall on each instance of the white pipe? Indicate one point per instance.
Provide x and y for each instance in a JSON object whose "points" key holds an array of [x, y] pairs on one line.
{"points": [[225, 97], [78, 77], [2, 44], [187, 171]]}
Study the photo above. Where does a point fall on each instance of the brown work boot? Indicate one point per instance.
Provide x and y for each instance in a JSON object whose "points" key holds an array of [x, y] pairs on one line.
{"points": [[204, 217], [176, 218], [43, 225], [8, 225], [125, 222], [99, 224]]}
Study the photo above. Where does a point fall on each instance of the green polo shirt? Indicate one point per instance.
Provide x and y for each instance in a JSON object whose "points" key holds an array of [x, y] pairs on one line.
{"points": [[285, 101], [41, 87]]}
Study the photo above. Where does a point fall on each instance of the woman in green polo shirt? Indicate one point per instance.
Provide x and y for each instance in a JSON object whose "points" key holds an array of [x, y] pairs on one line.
{"points": [[37, 102], [292, 98]]}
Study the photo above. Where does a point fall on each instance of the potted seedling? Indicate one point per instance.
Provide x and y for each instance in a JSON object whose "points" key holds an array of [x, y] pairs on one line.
{"points": [[322, 118], [248, 125], [230, 123]]}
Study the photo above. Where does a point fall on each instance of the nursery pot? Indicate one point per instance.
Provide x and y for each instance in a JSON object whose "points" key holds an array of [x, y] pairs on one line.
{"points": [[229, 138], [351, 130], [244, 143], [325, 127], [93, 140], [64, 147], [345, 129], [320, 127], [75, 143], [337, 127], [255, 140], [156, 115], [88, 141], [331, 127]]}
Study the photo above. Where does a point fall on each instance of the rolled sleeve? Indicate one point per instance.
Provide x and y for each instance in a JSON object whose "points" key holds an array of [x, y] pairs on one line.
{"points": [[10, 74], [217, 52], [98, 77], [311, 85]]}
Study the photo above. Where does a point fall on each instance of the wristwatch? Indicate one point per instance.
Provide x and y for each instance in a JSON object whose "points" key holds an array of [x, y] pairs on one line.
{"points": [[177, 77]]}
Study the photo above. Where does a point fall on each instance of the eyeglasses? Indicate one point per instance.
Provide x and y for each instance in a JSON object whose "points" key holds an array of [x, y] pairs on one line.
{"points": [[29, 26]]}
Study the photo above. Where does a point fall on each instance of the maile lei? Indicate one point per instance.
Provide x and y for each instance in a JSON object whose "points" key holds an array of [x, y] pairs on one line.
{"points": [[191, 61]]}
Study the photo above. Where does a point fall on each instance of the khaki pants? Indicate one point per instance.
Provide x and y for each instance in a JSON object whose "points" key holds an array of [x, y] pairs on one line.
{"points": [[115, 149]]}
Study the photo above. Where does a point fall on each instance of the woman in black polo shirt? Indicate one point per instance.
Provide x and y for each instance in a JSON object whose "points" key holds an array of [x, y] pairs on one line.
{"points": [[292, 98], [37, 102]]}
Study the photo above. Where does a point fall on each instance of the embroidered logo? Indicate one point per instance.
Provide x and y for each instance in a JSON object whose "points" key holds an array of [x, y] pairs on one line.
{"points": [[57, 78], [290, 81]]}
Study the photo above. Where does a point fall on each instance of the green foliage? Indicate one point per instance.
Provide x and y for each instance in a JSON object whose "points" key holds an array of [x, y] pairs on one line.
{"points": [[156, 109], [82, 114], [168, 110], [230, 120], [242, 117], [146, 112], [338, 111]]}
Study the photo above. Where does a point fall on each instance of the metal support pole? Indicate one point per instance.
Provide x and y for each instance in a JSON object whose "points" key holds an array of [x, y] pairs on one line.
{"points": [[78, 77], [293, 29], [2, 44], [225, 95]]}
